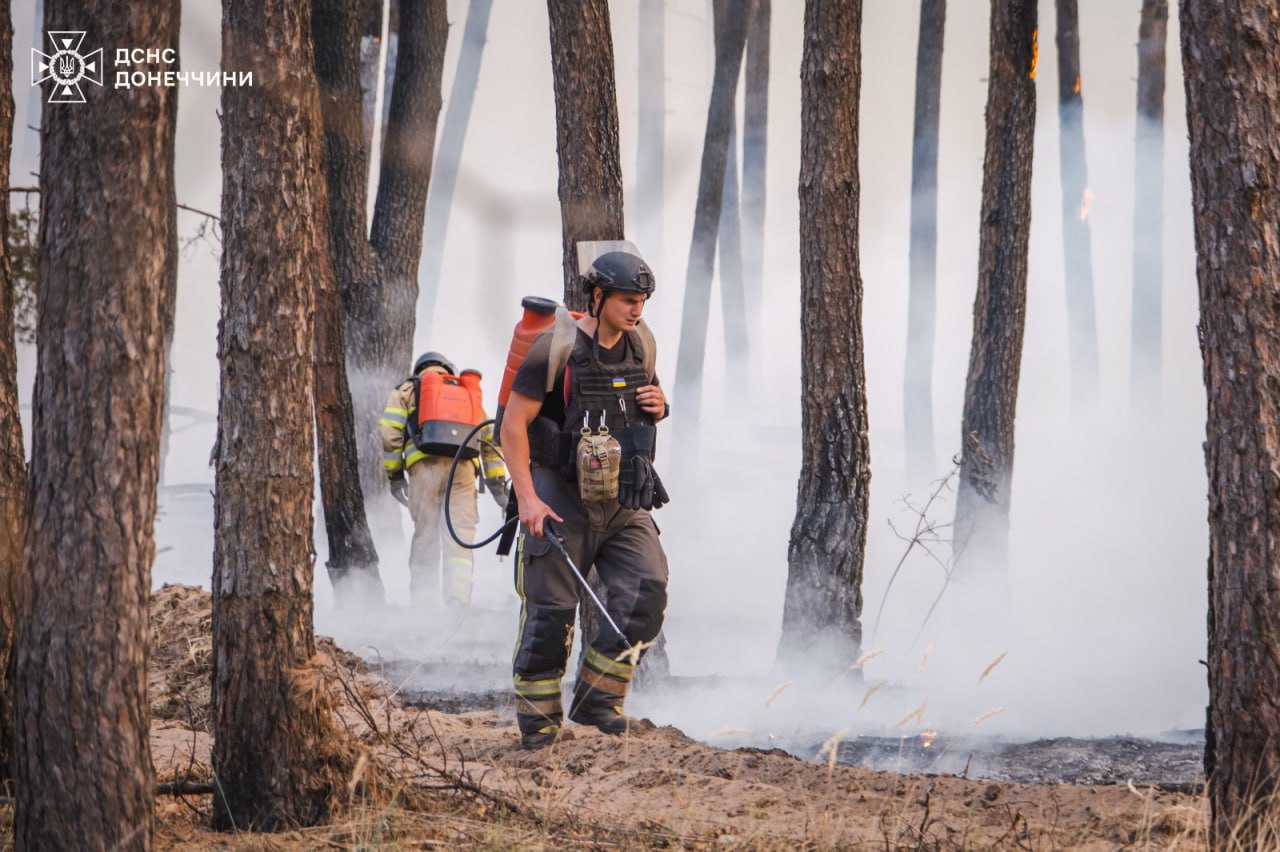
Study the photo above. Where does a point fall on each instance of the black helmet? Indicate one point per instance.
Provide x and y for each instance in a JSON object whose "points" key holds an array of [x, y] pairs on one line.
{"points": [[433, 359], [619, 271]]}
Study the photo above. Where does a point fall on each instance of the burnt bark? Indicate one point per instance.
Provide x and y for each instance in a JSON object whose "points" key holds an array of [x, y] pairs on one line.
{"points": [[353, 559], [755, 139], [377, 274], [590, 185], [706, 225], [449, 158], [651, 132], [821, 616], [80, 684], [1148, 209], [1232, 75], [1082, 333], [917, 391], [276, 753], [13, 461], [983, 500]]}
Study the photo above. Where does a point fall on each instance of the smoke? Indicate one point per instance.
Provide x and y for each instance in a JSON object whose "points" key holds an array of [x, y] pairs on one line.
{"points": [[1108, 543]]}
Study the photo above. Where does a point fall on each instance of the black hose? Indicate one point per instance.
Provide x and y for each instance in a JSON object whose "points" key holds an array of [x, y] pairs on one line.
{"points": [[448, 492]]}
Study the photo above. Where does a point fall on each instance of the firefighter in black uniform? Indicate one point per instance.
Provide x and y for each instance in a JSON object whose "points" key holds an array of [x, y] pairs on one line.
{"points": [[606, 381]]}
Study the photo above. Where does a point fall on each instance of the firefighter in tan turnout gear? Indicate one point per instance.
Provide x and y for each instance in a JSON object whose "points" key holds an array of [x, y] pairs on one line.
{"points": [[574, 394], [425, 421]]}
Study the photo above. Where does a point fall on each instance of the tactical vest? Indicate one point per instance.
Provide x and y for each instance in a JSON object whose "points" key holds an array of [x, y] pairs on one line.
{"points": [[596, 394]]}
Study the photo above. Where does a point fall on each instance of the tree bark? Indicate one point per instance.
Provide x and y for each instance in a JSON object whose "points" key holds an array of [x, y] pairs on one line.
{"points": [[1148, 209], [80, 688], [1082, 333], [590, 185], [651, 133], [452, 136], [1232, 75], [820, 618], [917, 392], [275, 752], [353, 560], [755, 137], [706, 224], [981, 533], [377, 275], [13, 459]]}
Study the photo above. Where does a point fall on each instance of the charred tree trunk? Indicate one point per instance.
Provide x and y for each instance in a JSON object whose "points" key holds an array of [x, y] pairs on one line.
{"points": [[737, 349], [106, 201], [706, 223], [1148, 209], [377, 275], [590, 183], [353, 559], [981, 534], [755, 137], [820, 619], [276, 752], [651, 132], [13, 460], [449, 158], [1082, 330], [917, 392], [1232, 74]]}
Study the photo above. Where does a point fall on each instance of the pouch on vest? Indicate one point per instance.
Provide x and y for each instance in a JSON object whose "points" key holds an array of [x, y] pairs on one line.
{"points": [[599, 461], [448, 407]]}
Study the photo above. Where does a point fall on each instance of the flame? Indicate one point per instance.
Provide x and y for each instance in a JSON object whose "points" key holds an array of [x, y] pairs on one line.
{"points": [[1077, 84], [1085, 198], [1035, 51], [927, 738]]}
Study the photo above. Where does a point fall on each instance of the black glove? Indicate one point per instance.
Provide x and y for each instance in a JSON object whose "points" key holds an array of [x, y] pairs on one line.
{"points": [[400, 487], [638, 484], [497, 488]]}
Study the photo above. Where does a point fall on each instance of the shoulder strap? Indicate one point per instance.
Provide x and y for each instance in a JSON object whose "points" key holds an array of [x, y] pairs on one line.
{"points": [[563, 336], [650, 346]]}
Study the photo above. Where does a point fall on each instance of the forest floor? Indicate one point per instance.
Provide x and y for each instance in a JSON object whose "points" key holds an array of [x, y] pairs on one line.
{"points": [[457, 780]]}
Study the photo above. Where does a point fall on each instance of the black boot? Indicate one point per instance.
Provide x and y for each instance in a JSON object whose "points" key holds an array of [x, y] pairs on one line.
{"points": [[600, 692], [538, 711]]}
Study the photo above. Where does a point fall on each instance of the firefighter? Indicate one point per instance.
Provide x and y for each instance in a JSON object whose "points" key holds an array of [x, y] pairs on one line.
{"points": [[422, 491], [604, 384]]}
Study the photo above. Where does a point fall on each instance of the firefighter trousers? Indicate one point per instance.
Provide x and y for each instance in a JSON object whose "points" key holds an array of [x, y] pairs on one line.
{"points": [[623, 546], [431, 539]]}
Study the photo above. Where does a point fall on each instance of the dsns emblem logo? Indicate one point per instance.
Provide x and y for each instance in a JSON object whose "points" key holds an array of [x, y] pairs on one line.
{"points": [[67, 67]]}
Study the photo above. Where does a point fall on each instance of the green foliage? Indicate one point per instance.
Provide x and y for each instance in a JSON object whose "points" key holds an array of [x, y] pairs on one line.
{"points": [[23, 249]]}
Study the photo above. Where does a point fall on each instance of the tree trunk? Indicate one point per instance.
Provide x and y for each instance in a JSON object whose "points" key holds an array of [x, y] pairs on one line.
{"points": [[80, 690], [706, 223], [917, 392], [651, 133], [1232, 74], [1148, 209], [276, 754], [981, 533], [169, 309], [755, 130], [590, 184], [449, 158], [820, 619], [377, 275], [737, 349], [13, 459], [1082, 331], [353, 559]]}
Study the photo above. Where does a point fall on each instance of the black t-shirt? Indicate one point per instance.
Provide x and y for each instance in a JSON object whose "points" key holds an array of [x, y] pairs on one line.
{"points": [[531, 378]]}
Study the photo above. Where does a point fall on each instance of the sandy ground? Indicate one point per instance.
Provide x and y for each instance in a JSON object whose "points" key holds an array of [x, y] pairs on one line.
{"points": [[457, 780]]}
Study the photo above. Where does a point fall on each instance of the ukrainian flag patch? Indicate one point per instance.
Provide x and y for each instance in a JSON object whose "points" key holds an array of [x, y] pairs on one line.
{"points": [[619, 383]]}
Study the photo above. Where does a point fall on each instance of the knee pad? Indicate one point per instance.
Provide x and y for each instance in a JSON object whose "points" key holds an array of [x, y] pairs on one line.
{"points": [[545, 641], [645, 621]]}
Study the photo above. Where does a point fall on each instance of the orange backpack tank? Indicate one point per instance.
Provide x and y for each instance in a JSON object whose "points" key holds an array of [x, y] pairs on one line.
{"points": [[448, 407]]}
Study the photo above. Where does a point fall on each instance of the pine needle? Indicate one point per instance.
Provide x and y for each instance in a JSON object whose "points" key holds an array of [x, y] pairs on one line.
{"points": [[987, 715], [773, 696], [924, 661], [870, 692], [857, 664], [992, 665], [917, 714]]}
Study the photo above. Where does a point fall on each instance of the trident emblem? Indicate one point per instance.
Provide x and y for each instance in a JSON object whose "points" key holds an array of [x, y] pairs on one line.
{"points": [[67, 67]]}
